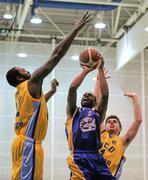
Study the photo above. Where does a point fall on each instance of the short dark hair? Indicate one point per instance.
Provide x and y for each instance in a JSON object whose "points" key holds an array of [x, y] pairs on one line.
{"points": [[114, 117], [11, 77], [92, 94]]}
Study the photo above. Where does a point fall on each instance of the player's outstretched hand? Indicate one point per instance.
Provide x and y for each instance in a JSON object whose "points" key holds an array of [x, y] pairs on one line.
{"points": [[84, 19]]}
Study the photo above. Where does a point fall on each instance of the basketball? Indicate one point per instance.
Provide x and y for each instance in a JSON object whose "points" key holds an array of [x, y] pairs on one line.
{"points": [[90, 57]]}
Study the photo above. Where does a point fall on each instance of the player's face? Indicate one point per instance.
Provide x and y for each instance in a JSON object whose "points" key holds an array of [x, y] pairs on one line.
{"points": [[88, 100], [23, 73], [113, 126]]}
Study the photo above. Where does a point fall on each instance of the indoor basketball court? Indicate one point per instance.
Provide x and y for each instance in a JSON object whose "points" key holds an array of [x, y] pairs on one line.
{"points": [[29, 32]]}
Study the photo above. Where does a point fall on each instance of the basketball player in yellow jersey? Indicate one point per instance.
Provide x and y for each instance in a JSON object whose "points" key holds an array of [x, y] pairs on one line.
{"points": [[31, 116], [113, 145]]}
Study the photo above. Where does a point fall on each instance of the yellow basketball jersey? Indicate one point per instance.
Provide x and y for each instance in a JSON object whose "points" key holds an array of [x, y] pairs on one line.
{"points": [[25, 105], [68, 125], [113, 152], [68, 130], [30, 127]]}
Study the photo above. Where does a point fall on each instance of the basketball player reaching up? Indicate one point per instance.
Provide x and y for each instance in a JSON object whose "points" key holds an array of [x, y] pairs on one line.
{"points": [[113, 145], [82, 130], [31, 117]]}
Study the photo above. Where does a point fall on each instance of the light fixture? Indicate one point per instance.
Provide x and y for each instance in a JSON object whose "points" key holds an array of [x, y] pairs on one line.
{"points": [[99, 23], [36, 19], [75, 58], [7, 14], [22, 55], [146, 29]]}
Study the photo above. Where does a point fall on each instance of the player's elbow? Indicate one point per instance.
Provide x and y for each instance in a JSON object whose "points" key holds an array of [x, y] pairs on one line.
{"points": [[139, 120], [138, 117], [60, 52], [105, 92], [105, 98], [72, 87]]}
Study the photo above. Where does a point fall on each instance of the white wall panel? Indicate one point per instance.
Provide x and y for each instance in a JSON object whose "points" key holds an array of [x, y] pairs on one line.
{"points": [[133, 42]]}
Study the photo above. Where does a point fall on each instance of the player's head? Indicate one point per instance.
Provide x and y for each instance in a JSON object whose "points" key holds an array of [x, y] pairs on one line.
{"points": [[113, 124], [88, 100], [17, 75]]}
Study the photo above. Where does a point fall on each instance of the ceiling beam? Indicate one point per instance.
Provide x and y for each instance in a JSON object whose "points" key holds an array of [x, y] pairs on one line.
{"points": [[50, 20], [23, 17], [129, 22], [101, 3], [112, 23], [16, 20], [117, 20], [97, 2], [62, 37]]}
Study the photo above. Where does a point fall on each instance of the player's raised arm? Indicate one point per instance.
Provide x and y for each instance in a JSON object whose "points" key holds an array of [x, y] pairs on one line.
{"points": [[72, 93], [35, 82], [103, 103], [133, 129], [60, 50]]}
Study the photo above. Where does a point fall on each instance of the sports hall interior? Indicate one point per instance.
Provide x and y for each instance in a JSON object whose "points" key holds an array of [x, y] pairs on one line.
{"points": [[123, 43]]}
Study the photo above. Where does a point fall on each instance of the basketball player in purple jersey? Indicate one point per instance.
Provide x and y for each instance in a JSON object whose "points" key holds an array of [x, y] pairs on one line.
{"points": [[82, 129]]}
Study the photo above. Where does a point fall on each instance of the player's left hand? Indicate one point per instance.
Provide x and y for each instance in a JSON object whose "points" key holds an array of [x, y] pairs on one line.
{"points": [[106, 73], [54, 84], [101, 62]]}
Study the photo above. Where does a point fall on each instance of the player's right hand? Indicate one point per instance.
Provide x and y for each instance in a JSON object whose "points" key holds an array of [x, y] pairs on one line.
{"points": [[84, 19]]}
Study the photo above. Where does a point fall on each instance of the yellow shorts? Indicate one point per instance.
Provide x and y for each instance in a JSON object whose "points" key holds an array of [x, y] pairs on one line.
{"points": [[19, 155]]}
